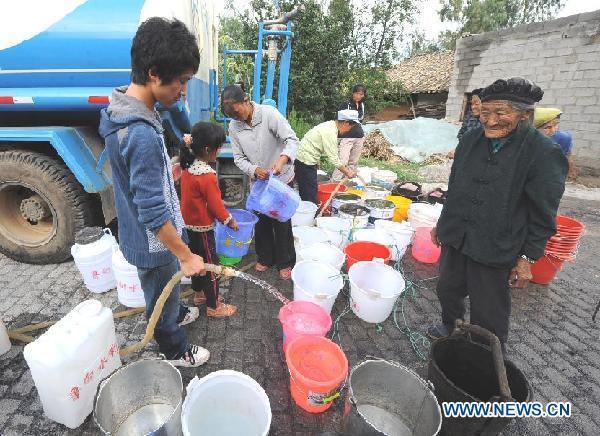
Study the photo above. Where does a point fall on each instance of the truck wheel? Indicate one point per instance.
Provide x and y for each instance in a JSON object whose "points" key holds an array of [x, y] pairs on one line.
{"points": [[43, 206]]}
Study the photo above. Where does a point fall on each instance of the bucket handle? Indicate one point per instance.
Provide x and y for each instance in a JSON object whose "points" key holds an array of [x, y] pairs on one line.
{"points": [[425, 383], [497, 357], [373, 293], [241, 243]]}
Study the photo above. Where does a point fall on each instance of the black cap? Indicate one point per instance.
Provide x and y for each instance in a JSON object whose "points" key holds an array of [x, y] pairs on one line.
{"points": [[476, 91], [514, 89]]}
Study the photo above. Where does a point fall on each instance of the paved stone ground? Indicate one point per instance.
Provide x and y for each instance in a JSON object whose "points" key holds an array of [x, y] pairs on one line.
{"points": [[553, 340]]}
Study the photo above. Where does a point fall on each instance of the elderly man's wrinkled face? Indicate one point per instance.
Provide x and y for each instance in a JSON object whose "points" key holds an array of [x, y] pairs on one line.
{"points": [[499, 119]]}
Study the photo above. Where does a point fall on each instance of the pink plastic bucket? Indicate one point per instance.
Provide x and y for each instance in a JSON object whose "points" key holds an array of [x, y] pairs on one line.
{"points": [[303, 318], [423, 248]]}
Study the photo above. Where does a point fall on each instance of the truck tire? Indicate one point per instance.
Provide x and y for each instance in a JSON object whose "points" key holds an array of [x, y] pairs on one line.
{"points": [[43, 206]]}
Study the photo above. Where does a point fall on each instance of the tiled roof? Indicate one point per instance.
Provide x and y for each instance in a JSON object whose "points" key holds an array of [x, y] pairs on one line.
{"points": [[427, 73]]}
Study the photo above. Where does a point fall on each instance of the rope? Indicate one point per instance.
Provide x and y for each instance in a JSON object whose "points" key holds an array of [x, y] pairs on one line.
{"points": [[419, 342]]}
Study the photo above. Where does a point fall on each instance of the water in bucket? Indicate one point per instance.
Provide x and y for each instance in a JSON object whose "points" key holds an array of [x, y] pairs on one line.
{"points": [[303, 318], [234, 244], [388, 398], [316, 282], [225, 403], [273, 198]]}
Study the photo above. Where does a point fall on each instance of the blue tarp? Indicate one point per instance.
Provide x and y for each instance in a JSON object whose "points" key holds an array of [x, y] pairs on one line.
{"points": [[416, 139]]}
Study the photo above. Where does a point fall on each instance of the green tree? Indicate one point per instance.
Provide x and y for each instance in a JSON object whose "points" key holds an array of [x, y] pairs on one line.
{"points": [[478, 16], [378, 30], [329, 53]]}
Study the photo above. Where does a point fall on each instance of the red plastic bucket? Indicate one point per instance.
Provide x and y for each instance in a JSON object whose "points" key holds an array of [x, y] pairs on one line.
{"points": [[365, 251], [545, 268], [324, 192], [303, 318], [318, 368]]}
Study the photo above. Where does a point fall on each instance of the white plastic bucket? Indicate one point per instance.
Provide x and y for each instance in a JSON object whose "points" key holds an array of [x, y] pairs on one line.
{"points": [[306, 235], [337, 229], [372, 235], [129, 288], [316, 282], [225, 403], [401, 235], [4, 339], [94, 262], [323, 252], [384, 176], [356, 221], [424, 215], [305, 214], [374, 289], [375, 193]]}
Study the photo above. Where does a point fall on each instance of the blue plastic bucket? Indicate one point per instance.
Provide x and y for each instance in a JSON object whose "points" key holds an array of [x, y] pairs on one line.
{"points": [[273, 198], [231, 243]]}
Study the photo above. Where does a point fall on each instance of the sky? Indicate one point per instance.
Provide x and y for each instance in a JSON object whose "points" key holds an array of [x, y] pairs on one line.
{"points": [[431, 25], [429, 21]]}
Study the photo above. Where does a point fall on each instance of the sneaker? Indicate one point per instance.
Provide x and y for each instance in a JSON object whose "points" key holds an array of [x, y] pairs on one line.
{"points": [[221, 311], [192, 315], [438, 331], [193, 357]]}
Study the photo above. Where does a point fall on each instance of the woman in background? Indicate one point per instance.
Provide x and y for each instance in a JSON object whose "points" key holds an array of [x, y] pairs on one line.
{"points": [[351, 143]]}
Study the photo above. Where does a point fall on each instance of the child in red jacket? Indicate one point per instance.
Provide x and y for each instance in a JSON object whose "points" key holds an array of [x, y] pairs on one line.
{"points": [[201, 205]]}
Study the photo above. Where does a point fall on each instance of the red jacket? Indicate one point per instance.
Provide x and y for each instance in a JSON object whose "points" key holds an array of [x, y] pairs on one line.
{"points": [[201, 202]]}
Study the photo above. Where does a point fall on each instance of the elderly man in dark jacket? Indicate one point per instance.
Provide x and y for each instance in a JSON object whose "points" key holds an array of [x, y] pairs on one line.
{"points": [[504, 191]]}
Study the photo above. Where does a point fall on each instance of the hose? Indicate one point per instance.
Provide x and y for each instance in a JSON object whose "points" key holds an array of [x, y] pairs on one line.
{"points": [[162, 299]]}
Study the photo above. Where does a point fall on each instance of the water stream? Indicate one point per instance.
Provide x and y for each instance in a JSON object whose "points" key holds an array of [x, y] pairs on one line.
{"points": [[264, 285]]}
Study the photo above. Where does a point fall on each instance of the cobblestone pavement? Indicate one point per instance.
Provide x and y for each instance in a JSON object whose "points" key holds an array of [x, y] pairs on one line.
{"points": [[553, 340]]}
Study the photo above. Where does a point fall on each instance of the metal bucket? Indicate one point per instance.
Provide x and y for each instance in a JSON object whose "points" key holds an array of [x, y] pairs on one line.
{"points": [[386, 398], [141, 398], [467, 371]]}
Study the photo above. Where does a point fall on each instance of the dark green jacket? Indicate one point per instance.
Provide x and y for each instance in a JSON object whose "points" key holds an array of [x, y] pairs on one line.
{"points": [[502, 205]]}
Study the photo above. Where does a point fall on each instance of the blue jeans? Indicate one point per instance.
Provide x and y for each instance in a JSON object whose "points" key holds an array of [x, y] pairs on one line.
{"points": [[171, 339]]}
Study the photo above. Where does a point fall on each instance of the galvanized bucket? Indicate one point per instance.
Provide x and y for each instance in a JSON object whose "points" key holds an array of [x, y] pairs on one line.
{"points": [[142, 398], [386, 398]]}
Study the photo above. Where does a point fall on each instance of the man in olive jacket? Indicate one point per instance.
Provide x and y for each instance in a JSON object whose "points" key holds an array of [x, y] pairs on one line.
{"points": [[505, 187]]}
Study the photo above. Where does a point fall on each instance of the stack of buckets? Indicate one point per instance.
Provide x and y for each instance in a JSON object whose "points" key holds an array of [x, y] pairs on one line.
{"points": [[560, 248]]}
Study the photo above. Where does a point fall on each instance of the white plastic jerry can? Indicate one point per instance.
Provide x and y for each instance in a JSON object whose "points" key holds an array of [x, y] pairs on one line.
{"points": [[4, 339], [71, 358]]}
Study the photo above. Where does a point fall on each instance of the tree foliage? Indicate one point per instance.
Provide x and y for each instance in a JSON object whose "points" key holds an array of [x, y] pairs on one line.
{"points": [[478, 16], [334, 47]]}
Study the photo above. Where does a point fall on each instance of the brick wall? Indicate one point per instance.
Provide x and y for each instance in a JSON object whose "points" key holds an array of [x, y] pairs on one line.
{"points": [[562, 56]]}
